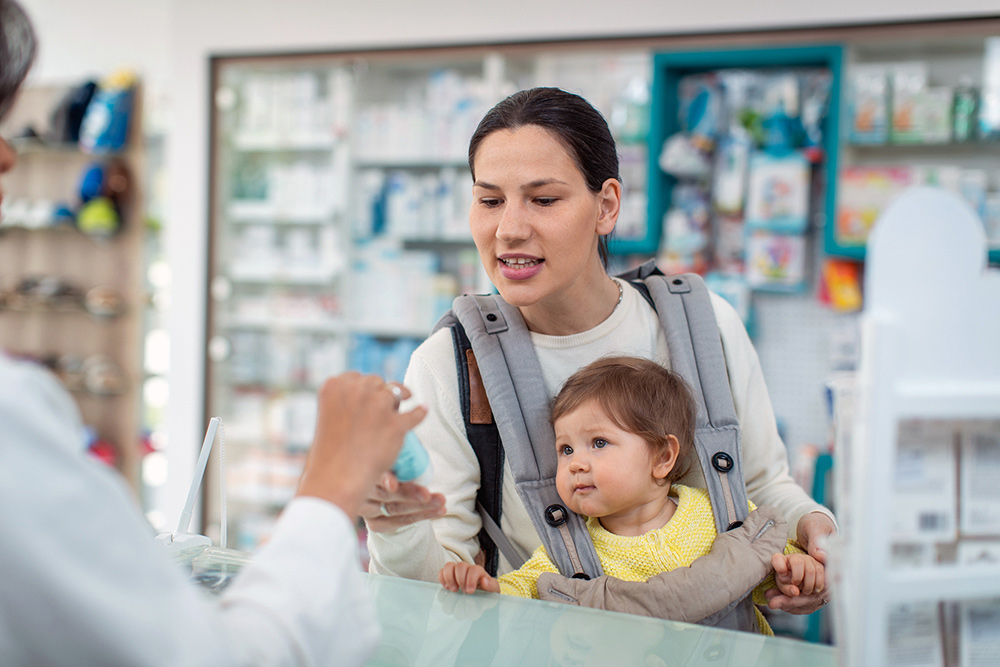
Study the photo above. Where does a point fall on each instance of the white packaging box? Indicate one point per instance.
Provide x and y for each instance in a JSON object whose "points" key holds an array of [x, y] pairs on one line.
{"points": [[979, 630], [979, 552], [915, 636], [980, 481], [925, 502]]}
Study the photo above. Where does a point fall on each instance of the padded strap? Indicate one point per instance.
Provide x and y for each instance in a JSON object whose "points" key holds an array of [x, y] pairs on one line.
{"points": [[516, 390]]}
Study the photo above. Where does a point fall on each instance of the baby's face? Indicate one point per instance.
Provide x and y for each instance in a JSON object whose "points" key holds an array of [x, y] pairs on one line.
{"points": [[603, 470]]}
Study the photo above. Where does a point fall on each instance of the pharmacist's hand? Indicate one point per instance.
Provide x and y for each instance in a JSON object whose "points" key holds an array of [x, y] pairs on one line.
{"points": [[392, 504], [358, 435]]}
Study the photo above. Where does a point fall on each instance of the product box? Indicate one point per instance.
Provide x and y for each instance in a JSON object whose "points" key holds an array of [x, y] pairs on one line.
{"points": [[868, 114], [908, 83], [778, 193], [915, 636], [776, 262], [925, 497], [864, 193], [980, 475], [979, 632]]}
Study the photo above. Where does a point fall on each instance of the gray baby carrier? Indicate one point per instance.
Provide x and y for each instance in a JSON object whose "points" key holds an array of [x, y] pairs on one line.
{"points": [[506, 411]]}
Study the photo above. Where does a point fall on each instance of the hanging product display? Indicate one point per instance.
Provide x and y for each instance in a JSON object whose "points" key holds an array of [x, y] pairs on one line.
{"points": [[744, 159]]}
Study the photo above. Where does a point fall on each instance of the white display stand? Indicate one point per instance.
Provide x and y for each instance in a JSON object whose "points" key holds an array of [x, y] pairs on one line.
{"points": [[930, 353]]}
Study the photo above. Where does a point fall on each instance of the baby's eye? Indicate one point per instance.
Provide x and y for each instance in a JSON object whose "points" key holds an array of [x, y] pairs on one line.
{"points": [[565, 450], [599, 443]]}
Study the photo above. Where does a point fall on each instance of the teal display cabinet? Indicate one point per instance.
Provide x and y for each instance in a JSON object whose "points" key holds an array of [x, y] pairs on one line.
{"points": [[669, 68]]}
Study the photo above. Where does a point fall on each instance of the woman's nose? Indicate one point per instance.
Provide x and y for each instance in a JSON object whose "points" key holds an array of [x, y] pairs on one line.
{"points": [[512, 225], [8, 158]]}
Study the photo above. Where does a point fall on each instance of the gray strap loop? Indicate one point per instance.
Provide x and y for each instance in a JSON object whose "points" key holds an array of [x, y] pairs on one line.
{"points": [[506, 547]]}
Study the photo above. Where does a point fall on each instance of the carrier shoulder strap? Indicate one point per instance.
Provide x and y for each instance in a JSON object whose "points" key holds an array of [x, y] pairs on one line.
{"points": [[514, 385], [684, 306]]}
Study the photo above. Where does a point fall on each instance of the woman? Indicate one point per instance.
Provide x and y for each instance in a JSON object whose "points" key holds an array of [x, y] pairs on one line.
{"points": [[82, 581], [546, 195]]}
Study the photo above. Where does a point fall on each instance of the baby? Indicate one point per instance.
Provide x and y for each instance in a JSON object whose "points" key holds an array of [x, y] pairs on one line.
{"points": [[624, 431]]}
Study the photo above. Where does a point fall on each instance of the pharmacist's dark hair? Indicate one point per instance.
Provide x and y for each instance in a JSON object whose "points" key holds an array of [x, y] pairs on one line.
{"points": [[578, 125], [17, 51], [641, 397]]}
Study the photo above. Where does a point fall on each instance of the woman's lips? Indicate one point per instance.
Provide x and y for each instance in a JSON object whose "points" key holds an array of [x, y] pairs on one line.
{"points": [[519, 268]]}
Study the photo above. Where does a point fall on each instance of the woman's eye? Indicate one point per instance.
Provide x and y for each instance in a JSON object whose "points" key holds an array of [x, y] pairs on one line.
{"points": [[565, 450], [545, 201], [489, 202], [599, 443]]}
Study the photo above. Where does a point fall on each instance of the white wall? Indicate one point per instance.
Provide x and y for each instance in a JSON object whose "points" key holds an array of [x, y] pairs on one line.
{"points": [[174, 38]]}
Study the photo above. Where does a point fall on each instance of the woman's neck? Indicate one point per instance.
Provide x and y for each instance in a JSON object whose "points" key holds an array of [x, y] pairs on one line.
{"points": [[577, 309]]}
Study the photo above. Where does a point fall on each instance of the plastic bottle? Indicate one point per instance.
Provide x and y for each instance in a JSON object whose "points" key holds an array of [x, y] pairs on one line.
{"points": [[966, 106], [413, 464]]}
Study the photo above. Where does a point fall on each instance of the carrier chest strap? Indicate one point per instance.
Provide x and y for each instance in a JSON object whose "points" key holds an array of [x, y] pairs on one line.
{"points": [[684, 307], [515, 387]]}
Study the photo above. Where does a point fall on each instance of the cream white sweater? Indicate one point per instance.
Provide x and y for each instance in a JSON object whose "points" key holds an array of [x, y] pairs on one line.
{"points": [[419, 551]]}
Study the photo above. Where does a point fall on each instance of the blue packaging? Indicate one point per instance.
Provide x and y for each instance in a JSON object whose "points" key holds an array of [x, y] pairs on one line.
{"points": [[412, 464]]}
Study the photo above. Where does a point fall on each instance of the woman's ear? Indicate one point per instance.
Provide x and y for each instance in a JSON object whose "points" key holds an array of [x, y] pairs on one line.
{"points": [[610, 201], [667, 458]]}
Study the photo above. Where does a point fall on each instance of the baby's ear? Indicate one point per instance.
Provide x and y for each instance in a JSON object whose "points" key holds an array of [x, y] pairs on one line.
{"points": [[666, 458]]}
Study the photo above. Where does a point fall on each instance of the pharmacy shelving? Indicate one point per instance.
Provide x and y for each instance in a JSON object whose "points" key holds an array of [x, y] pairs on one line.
{"points": [[918, 567], [918, 111]]}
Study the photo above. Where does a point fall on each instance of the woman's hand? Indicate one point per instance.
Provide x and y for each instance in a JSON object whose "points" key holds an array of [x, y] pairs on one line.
{"points": [[812, 531], [393, 504]]}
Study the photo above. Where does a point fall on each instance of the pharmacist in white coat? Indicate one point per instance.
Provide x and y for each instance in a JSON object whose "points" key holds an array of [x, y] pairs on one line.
{"points": [[81, 580]]}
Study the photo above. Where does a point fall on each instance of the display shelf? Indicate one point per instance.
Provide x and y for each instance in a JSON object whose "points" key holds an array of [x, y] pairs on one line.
{"points": [[47, 175], [944, 582], [926, 67], [927, 382], [416, 163], [669, 68]]}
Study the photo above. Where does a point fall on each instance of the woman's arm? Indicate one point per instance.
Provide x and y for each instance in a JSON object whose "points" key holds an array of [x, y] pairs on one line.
{"points": [[420, 550], [765, 458]]}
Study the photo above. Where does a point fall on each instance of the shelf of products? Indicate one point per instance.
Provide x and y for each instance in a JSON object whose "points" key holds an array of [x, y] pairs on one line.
{"points": [[925, 113], [340, 198], [71, 254]]}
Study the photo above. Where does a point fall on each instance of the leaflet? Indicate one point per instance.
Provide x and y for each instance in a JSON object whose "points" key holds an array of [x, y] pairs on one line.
{"points": [[980, 486], [925, 481], [980, 633], [915, 636]]}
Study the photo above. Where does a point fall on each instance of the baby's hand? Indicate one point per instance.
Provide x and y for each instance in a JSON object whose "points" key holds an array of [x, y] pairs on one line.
{"points": [[466, 578], [798, 574]]}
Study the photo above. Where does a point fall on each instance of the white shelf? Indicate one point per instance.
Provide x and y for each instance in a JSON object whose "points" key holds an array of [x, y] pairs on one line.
{"points": [[946, 582], [411, 162], [275, 143], [317, 326], [969, 400], [318, 278]]}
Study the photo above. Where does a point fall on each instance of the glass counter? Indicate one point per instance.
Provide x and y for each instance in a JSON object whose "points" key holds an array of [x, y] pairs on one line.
{"points": [[423, 624]]}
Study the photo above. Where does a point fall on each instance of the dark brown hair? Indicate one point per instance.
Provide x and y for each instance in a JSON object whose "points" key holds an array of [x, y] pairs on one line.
{"points": [[573, 120], [639, 396], [17, 51]]}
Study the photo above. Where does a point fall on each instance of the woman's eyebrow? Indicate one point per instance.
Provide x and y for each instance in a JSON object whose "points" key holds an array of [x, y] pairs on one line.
{"points": [[527, 186]]}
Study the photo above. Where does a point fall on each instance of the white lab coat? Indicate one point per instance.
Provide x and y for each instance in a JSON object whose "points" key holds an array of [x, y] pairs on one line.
{"points": [[82, 582]]}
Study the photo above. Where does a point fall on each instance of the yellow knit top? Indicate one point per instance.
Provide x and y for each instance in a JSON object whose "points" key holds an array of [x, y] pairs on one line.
{"points": [[688, 535]]}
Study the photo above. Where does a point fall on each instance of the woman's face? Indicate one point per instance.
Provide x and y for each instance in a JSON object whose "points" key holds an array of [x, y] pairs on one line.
{"points": [[534, 220], [7, 160]]}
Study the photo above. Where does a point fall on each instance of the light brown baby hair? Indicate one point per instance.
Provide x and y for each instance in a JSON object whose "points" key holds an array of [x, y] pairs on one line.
{"points": [[639, 396]]}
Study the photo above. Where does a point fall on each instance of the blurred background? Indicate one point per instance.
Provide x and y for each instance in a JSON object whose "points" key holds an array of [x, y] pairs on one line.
{"points": [[218, 204]]}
